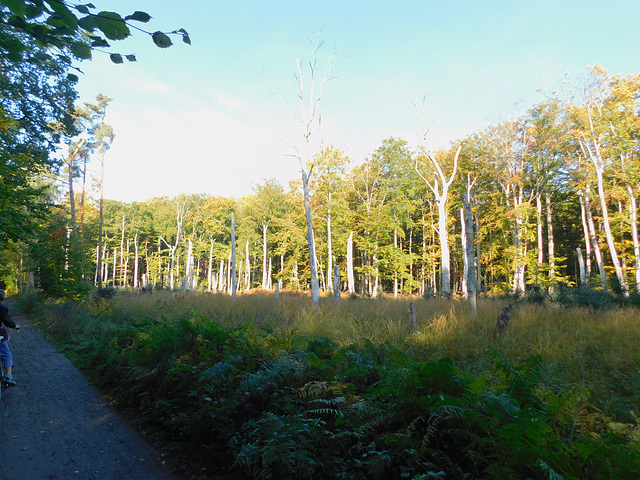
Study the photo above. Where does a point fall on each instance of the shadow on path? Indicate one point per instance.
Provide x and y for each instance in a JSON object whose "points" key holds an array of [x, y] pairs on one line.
{"points": [[57, 426]]}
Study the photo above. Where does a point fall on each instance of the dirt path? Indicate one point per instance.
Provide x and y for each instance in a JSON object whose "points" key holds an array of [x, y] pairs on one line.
{"points": [[54, 425]]}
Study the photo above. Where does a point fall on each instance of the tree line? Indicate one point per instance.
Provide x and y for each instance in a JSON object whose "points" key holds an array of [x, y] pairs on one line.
{"points": [[545, 200]]}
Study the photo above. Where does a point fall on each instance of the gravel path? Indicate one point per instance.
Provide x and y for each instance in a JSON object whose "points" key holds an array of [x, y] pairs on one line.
{"points": [[57, 426]]}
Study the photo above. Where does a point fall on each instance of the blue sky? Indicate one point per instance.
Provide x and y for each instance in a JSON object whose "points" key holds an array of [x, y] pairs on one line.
{"points": [[204, 119]]}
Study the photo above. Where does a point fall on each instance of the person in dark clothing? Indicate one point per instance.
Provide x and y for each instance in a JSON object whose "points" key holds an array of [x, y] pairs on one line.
{"points": [[5, 351]]}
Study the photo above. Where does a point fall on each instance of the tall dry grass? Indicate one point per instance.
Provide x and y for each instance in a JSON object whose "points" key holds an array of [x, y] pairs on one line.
{"points": [[570, 338]]}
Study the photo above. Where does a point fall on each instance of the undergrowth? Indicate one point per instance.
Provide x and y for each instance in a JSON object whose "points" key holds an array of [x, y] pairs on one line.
{"points": [[266, 388]]}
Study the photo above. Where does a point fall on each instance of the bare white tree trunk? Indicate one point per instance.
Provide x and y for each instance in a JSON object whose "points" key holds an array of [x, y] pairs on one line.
{"points": [[265, 277], [210, 284], [395, 264], [470, 271], [329, 245], [310, 93], [539, 229], [465, 256], [551, 245], [440, 189], [186, 285], [232, 283], [633, 217], [350, 277], [593, 151], [135, 260], [115, 265], [594, 243], [587, 241], [248, 269], [126, 265], [122, 251], [221, 277], [315, 286], [583, 273]]}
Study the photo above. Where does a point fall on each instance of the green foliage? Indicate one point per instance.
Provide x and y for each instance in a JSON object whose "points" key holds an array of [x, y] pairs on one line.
{"points": [[230, 390], [74, 28]]}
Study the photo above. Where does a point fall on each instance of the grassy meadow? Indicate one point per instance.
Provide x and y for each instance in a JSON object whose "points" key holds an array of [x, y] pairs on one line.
{"points": [[265, 387]]}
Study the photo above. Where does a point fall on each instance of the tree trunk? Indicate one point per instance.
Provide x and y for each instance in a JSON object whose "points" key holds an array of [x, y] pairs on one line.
{"points": [[135, 260], [633, 217], [210, 284], [232, 283], [598, 163], [265, 281], [248, 269], [115, 266], [186, 285], [445, 261], [596, 246], [315, 287], [469, 251], [350, 276], [465, 257], [329, 244], [122, 250], [550, 243], [587, 241], [72, 202], [583, 273], [395, 263], [99, 254], [126, 266], [440, 189], [336, 282], [478, 256], [539, 228]]}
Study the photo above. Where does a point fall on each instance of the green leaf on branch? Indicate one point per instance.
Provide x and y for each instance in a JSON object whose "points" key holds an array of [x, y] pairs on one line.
{"points": [[17, 7], [161, 40], [81, 51], [72, 77], [112, 25], [33, 11], [185, 36], [143, 17], [116, 58], [64, 13], [98, 41], [87, 23], [131, 58]]}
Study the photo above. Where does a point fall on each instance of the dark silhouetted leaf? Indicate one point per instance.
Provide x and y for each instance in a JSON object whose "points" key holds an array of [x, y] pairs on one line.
{"points": [[81, 51], [87, 23], [143, 17], [116, 58], [112, 25], [98, 41], [64, 13], [72, 77], [161, 40], [131, 58]]}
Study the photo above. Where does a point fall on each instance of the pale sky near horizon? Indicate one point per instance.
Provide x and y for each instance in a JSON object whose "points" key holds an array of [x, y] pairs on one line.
{"points": [[204, 119]]}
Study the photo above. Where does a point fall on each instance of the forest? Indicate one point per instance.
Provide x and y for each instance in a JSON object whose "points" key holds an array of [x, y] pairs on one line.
{"points": [[548, 201]]}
